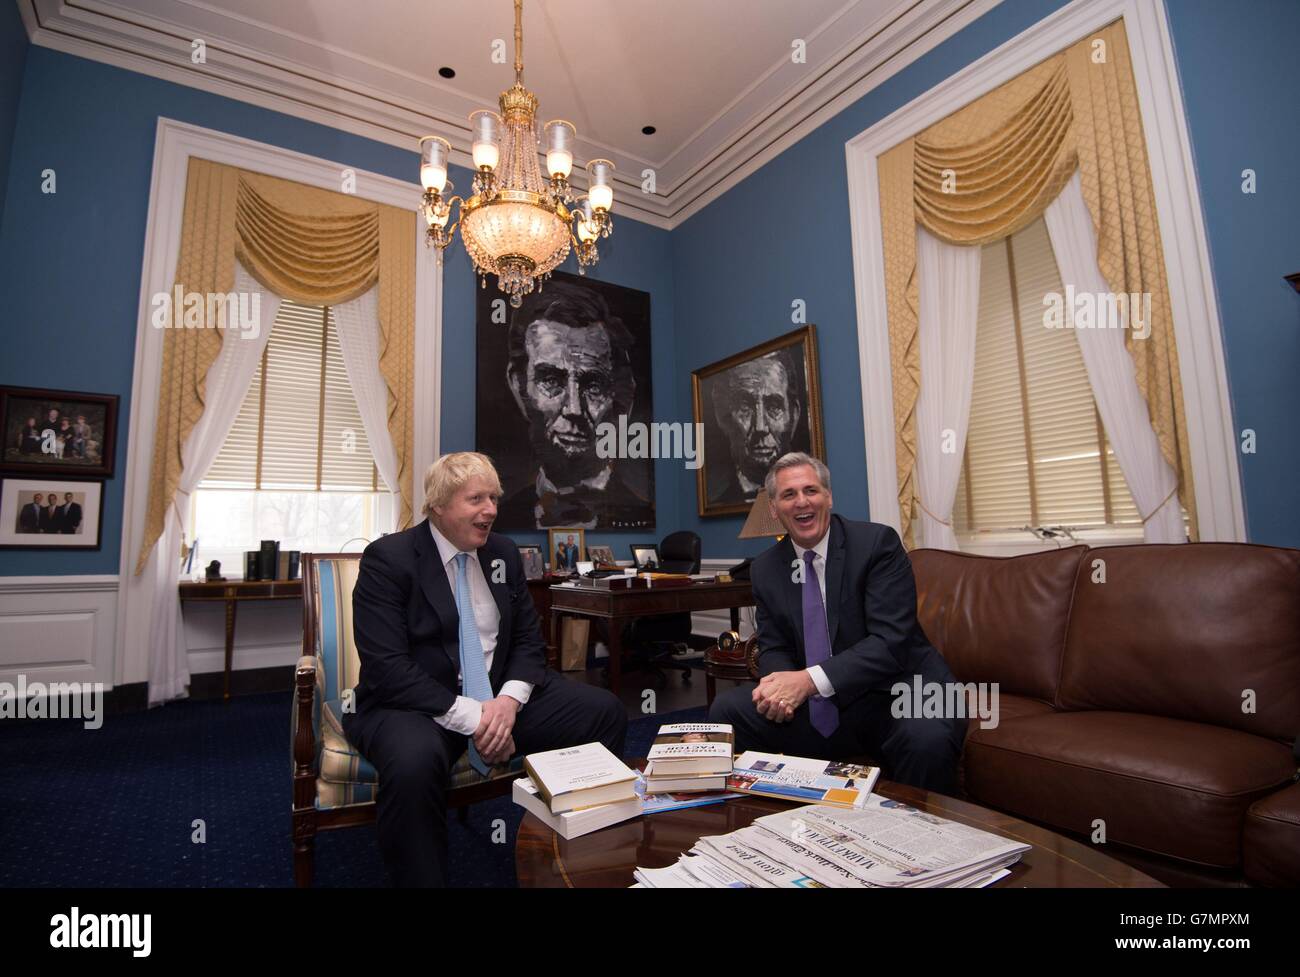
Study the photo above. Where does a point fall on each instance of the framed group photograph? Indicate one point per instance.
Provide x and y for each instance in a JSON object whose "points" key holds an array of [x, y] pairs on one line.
{"points": [[601, 554], [534, 562], [755, 406], [566, 545], [50, 513], [58, 432]]}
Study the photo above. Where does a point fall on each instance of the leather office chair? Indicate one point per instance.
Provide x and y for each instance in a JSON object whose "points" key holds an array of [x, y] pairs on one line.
{"points": [[654, 640]]}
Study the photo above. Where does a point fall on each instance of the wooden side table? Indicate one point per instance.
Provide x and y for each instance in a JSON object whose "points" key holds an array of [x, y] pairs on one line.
{"points": [[231, 592]]}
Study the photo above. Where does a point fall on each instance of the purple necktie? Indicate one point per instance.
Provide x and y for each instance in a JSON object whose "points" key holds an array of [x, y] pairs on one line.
{"points": [[817, 645]]}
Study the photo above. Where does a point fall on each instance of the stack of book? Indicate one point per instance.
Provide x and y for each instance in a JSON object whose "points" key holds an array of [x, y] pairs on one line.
{"points": [[689, 758], [578, 777]]}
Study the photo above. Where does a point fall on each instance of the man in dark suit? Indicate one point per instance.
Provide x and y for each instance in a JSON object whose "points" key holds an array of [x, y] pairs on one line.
{"points": [[837, 628], [51, 522], [29, 517], [69, 514], [452, 659]]}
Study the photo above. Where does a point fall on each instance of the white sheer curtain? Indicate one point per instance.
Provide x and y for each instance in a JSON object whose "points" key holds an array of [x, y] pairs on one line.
{"points": [[358, 325], [1124, 413], [949, 281], [227, 383]]}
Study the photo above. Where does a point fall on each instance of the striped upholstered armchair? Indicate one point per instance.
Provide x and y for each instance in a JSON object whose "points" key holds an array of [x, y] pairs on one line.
{"points": [[333, 785]]}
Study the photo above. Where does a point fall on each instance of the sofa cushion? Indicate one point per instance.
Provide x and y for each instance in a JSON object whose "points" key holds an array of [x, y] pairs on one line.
{"points": [[1271, 841], [1012, 707], [1142, 775], [998, 619], [1184, 631]]}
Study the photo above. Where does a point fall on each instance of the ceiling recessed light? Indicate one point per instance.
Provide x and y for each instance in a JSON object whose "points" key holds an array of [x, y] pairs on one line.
{"points": [[648, 130], [447, 72]]}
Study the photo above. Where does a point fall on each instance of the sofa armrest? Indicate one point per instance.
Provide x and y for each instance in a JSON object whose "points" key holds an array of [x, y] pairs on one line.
{"points": [[304, 732]]}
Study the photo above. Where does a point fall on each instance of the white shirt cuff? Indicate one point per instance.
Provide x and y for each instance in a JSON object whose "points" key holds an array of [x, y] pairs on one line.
{"points": [[824, 687], [463, 717], [519, 691]]}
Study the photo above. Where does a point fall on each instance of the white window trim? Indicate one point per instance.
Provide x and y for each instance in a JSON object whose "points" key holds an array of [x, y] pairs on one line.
{"points": [[1197, 329], [175, 143]]}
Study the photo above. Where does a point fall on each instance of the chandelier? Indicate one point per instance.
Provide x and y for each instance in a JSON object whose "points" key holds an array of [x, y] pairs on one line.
{"points": [[517, 225]]}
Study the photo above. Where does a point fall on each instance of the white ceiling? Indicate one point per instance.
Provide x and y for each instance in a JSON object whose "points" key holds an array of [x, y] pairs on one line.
{"points": [[715, 77]]}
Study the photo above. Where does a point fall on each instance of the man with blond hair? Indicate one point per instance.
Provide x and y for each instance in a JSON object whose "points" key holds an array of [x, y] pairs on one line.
{"points": [[452, 660]]}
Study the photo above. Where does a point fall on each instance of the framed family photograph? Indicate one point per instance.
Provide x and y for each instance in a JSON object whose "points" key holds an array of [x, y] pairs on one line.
{"points": [[601, 554], [754, 407], [534, 562], [567, 545], [58, 432], [49, 513]]}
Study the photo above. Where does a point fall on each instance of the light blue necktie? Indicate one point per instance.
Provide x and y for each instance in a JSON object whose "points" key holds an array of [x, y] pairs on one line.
{"points": [[473, 667]]}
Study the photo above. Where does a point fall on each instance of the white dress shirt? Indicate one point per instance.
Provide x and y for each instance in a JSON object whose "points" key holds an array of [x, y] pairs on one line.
{"points": [[816, 672], [465, 713]]}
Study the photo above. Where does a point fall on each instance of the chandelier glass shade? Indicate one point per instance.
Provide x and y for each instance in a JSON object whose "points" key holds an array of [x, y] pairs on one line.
{"points": [[518, 225]]}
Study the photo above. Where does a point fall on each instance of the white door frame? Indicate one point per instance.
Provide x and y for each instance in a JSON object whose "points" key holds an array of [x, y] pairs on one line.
{"points": [[1197, 329], [175, 143]]}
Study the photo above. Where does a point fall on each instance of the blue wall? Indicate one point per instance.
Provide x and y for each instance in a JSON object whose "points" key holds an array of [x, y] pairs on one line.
{"points": [[13, 56], [70, 261], [736, 273], [1240, 75], [722, 281]]}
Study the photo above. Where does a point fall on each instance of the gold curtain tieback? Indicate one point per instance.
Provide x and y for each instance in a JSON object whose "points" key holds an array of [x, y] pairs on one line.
{"points": [[1146, 519], [947, 522]]}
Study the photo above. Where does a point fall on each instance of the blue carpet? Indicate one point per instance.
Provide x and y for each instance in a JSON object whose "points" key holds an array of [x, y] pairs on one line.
{"points": [[116, 806]]}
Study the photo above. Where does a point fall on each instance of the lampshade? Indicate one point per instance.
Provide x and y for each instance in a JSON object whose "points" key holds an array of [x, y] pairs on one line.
{"points": [[760, 522]]}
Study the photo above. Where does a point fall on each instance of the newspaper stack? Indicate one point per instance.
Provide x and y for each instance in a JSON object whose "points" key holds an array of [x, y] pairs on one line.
{"points": [[884, 844]]}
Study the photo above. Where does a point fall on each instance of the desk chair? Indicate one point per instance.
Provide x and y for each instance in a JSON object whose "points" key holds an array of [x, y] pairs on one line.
{"points": [[654, 640], [334, 786]]}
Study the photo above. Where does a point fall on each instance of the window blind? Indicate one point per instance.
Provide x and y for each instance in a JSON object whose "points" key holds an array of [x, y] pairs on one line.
{"points": [[299, 427], [1036, 454]]}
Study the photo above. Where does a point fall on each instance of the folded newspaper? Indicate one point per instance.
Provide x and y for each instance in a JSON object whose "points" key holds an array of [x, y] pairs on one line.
{"points": [[884, 844]]}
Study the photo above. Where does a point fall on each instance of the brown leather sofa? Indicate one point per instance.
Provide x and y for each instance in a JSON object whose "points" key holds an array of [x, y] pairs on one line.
{"points": [[1152, 689]]}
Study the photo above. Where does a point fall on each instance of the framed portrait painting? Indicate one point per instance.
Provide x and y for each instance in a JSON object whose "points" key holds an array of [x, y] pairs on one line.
{"points": [[50, 513], [571, 362], [58, 432], [755, 407]]}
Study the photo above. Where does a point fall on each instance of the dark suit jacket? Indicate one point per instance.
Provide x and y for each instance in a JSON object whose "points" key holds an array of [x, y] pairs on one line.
{"points": [[407, 629], [51, 520], [29, 518], [70, 517], [870, 610]]}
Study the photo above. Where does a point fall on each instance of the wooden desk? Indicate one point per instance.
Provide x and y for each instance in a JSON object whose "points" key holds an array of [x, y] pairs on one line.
{"points": [[620, 606], [608, 857], [231, 592]]}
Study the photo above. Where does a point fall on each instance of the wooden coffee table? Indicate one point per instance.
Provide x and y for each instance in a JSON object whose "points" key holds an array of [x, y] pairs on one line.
{"points": [[607, 858]]}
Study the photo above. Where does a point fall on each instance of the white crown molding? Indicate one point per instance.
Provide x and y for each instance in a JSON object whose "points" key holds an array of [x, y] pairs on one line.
{"points": [[377, 102], [1197, 328], [175, 143]]}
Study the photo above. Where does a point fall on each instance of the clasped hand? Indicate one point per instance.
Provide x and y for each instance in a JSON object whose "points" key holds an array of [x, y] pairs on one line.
{"points": [[779, 694], [493, 737]]}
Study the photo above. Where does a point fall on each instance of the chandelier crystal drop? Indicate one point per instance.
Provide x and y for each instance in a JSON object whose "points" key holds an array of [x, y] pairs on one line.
{"points": [[518, 224]]}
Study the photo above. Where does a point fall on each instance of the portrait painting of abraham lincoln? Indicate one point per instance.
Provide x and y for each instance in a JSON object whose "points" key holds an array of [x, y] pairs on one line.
{"points": [[573, 357]]}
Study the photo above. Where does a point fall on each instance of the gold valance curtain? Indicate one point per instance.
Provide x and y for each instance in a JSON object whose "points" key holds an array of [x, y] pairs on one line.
{"points": [[302, 243], [992, 167]]}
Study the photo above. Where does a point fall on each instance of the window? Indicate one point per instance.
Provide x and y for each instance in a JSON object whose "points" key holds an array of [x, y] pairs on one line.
{"points": [[1036, 453], [296, 465]]}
